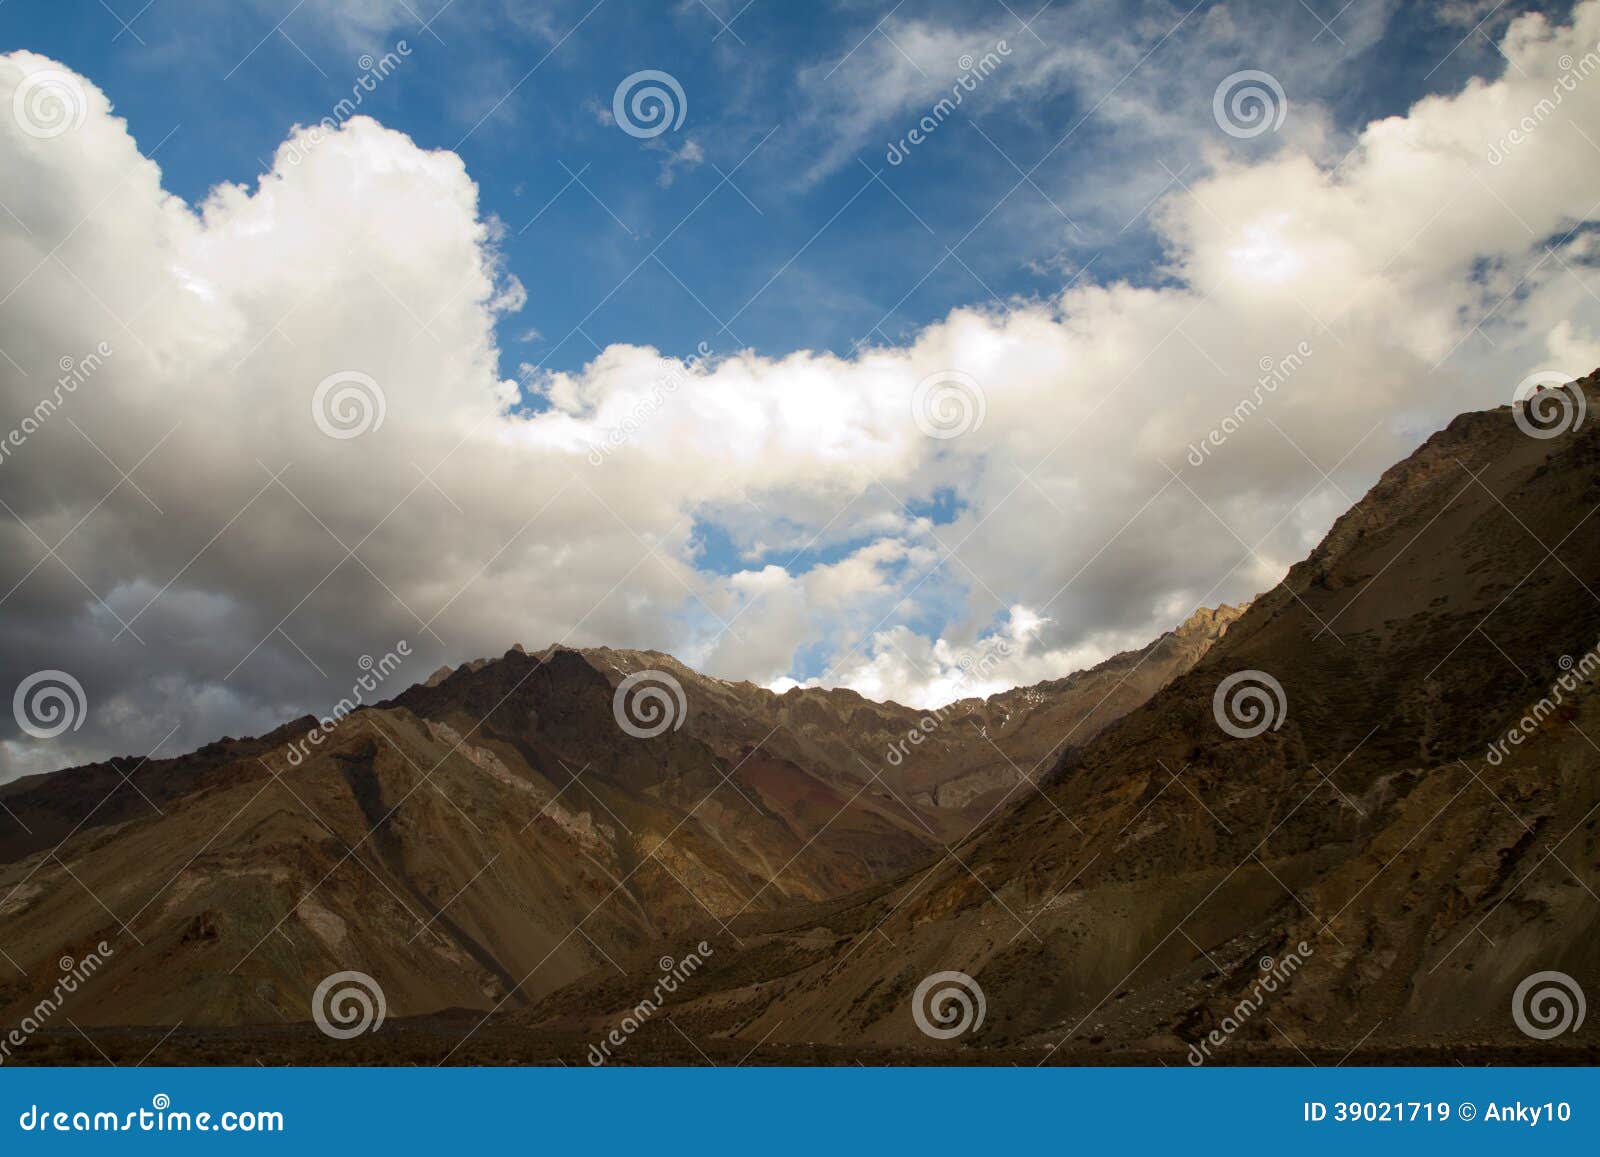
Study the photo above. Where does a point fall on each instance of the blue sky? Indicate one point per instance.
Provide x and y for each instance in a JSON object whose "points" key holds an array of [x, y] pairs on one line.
{"points": [[791, 254]]}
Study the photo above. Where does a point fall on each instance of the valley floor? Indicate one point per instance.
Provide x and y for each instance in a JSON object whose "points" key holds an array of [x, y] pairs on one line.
{"points": [[456, 1040]]}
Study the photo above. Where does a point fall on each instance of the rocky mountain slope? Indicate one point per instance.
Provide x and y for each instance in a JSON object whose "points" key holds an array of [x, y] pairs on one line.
{"points": [[496, 833], [1396, 841], [1359, 820]]}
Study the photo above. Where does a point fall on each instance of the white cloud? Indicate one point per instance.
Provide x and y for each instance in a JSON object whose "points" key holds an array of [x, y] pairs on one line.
{"points": [[688, 156], [1417, 275]]}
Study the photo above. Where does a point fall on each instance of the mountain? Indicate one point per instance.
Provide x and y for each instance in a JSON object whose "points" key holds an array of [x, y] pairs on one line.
{"points": [[1397, 843], [1357, 820], [496, 832]]}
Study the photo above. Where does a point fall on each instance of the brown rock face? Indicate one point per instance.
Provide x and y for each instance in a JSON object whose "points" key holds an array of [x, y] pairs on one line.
{"points": [[493, 833]]}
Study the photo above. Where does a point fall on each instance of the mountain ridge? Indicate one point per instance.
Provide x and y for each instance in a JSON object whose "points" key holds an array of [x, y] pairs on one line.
{"points": [[1320, 790], [1122, 910], [480, 820]]}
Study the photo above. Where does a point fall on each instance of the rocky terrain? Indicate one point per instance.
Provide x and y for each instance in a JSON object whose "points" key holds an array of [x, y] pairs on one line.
{"points": [[1381, 850], [495, 833], [1345, 824]]}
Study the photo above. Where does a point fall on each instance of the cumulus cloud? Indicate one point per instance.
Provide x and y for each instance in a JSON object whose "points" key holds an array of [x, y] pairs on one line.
{"points": [[213, 526]]}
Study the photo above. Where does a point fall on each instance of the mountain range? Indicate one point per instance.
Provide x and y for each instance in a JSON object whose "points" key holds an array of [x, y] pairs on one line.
{"points": [[1350, 820]]}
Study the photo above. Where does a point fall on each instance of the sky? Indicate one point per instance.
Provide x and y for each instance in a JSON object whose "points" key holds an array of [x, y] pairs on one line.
{"points": [[827, 344]]}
